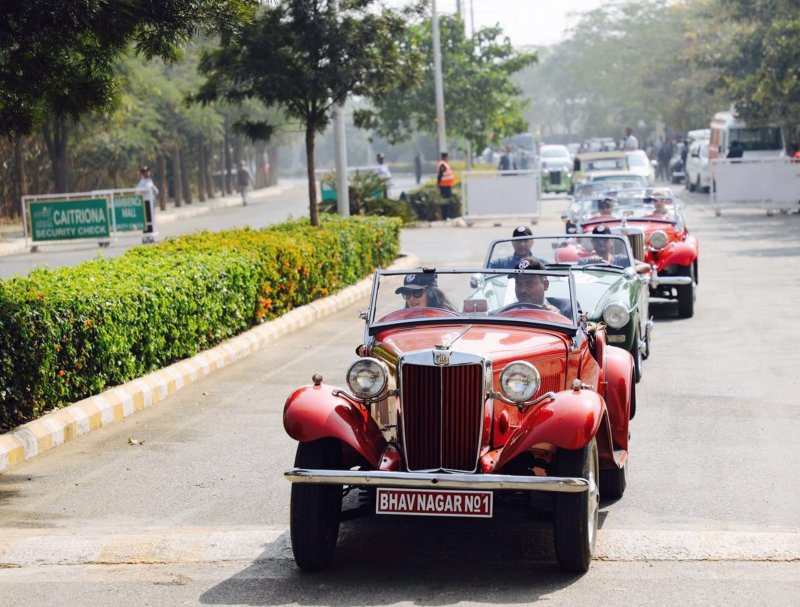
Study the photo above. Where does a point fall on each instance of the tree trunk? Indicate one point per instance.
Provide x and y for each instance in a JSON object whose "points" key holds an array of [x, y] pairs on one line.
{"points": [[260, 180], [273, 158], [185, 184], [312, 181], [177, 179], [226, 174], [163, 184], [56, 138], [207, 157], [19, 179], [201, 162]]}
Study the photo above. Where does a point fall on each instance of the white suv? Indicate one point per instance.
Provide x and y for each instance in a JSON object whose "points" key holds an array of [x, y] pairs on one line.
{"points": [[698, 174]]}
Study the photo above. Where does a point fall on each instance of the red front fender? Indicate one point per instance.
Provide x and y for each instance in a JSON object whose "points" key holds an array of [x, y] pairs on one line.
{"points": [[570, 421], [681, 253], [313, 412], [618, 375]]}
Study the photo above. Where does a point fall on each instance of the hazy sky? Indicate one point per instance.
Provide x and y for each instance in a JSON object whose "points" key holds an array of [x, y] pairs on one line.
{"points": [[523, 21]]}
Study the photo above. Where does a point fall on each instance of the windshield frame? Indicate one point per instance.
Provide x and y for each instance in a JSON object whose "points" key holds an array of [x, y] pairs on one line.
{"points": [[374, 325]]}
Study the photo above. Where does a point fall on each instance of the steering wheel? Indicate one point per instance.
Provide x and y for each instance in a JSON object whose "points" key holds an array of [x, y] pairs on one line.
{"points": [[519, 305]]}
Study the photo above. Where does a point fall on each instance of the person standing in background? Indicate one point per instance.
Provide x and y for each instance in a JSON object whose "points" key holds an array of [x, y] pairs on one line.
{"points": [[418, 166], [445, 178], [385, 175], [243, 179], [630, 143], [149, 192]]}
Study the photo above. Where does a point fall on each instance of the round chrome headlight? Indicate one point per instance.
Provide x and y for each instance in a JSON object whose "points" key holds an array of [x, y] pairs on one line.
{"points": [[658, 240], [519, 381], [367, 377], [616, 315]]}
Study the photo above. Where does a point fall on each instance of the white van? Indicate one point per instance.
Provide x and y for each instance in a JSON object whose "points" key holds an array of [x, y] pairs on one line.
{"points": [[756, 141], [698, 172]]}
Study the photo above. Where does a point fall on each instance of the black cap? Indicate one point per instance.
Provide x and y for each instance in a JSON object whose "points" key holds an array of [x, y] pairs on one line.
{"points": [[601, 230], [607, 201], [528, 263], [414, 282], [522, 231]]}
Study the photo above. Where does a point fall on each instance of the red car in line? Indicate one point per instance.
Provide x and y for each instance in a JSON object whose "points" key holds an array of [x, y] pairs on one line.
{"points": [[451, 408]]}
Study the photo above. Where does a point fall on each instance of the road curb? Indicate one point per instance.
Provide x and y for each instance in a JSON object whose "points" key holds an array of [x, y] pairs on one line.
{"points": [[119, 402]]}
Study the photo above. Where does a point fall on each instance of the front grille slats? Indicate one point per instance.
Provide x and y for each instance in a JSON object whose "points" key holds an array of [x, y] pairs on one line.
{"points": [[441, 416]]}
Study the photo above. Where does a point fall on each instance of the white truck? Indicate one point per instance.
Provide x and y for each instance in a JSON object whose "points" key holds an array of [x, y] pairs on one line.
{"points": [[749, 166]]}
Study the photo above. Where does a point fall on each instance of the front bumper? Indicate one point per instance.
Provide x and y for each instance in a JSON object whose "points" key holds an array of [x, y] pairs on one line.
{"points": [[670, 281], [439, 480]]}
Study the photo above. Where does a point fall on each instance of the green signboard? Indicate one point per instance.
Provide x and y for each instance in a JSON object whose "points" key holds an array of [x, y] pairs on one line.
{"points": [[69, 219], [129, 213]]}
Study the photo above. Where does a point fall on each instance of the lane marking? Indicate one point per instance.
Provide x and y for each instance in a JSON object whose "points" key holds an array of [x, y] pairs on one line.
{"points": [[40, 547]]}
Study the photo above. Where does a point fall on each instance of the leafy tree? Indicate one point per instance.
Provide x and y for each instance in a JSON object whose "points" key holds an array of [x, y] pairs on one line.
{"points": [[57, 58], [754, 48], [301, 56], [482, 103]]}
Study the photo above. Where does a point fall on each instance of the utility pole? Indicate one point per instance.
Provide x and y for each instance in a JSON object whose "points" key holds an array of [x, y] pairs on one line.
{"points": [[441, 131], [467, 142], [340, 146]]}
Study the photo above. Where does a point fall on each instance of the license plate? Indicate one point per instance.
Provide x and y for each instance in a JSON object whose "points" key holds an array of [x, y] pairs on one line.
{"points": [[426, 502]]}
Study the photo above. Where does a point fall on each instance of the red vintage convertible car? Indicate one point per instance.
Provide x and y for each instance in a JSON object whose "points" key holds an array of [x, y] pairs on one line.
{"points": [[451, 408], [659, 237]]}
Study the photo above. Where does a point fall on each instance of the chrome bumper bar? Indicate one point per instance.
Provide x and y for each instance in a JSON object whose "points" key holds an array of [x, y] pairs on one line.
{"points": [[439, 480], [675, 281]]}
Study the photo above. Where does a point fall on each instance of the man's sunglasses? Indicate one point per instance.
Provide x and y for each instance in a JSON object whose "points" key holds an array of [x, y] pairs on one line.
{"points": [[412, 294]]}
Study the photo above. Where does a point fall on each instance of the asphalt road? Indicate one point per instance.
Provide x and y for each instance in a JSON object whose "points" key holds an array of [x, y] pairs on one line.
{"points": [[198, 512]]}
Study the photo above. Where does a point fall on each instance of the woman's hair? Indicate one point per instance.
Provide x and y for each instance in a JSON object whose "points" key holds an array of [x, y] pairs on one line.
{"points": [[437, 299]]}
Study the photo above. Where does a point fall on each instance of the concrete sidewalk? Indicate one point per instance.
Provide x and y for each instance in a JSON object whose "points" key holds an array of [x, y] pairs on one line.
{"points": [[12, 238]]}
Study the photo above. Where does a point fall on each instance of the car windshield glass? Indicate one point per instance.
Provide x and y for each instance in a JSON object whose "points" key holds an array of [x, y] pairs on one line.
{"points": [[605, 164], [533, 297], [554, 153], [562, 251]]}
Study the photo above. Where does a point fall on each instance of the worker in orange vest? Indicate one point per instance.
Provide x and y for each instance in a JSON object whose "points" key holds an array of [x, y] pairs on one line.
{"points": [[444, 177]]}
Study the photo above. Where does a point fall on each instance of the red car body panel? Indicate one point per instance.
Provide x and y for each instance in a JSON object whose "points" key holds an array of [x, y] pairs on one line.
{"points": [[314, 412]]}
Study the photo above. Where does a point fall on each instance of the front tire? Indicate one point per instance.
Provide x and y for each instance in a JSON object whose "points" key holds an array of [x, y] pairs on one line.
{"points": [[576, 515], [636, 352], [315, 509], [686, 295]]}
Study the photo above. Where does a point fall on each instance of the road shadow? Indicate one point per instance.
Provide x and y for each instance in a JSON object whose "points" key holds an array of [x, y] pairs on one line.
{"points": [[420, 560]]}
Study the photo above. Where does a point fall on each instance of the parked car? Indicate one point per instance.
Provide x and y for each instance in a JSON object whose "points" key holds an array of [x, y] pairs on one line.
{"points": [[663, 241], [451, 409], [698, 171], [639, 163], [588, 162], [608, 288], [555, 165]]}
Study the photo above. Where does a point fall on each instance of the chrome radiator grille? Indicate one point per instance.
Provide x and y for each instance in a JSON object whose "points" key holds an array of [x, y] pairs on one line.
{"points": [[441, 414]]}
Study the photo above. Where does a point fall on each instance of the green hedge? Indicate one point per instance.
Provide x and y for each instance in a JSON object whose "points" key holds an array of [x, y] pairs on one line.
{"points": [[69, 333]]}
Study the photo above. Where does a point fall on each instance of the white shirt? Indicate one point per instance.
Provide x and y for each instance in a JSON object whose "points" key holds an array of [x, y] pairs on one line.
{"points": [[631, 143], [383, 172], [150, 189]]}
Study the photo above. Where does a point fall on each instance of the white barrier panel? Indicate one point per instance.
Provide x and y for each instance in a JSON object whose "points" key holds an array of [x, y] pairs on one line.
{"points": [[769, 183], [491, 193]]}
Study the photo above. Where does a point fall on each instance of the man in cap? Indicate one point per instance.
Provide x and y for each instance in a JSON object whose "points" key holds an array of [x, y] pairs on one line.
{"points": [[149, 192], [661, 201], [522, 249], [530, 288], [605, 206], [603, 252], [385, 175]]}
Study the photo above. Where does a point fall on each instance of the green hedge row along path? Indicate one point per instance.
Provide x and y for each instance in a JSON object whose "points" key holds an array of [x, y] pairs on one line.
{"points": [[69, 333]]}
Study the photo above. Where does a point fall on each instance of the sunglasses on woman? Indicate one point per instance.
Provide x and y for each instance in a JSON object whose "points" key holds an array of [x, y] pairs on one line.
{"points": [[412, 294]]}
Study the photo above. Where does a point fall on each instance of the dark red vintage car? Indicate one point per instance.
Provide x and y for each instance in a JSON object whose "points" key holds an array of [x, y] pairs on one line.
{"points": [[453, 406], [659, 236]]}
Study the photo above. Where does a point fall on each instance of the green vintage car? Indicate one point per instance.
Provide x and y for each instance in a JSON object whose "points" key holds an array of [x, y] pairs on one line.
{"points": [[609, 289], [555, 165]]}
